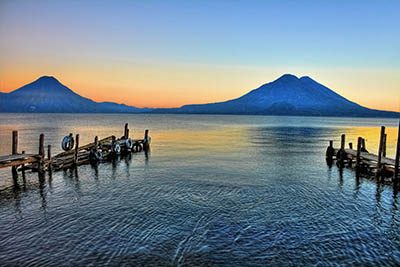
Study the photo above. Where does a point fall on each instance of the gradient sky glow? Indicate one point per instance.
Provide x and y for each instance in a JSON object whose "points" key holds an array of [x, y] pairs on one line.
{"points": [[170, 53]]}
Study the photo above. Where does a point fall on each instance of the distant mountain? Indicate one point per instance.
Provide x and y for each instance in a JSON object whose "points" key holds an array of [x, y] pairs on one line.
{"points": [[47, 94], [288, 95]]}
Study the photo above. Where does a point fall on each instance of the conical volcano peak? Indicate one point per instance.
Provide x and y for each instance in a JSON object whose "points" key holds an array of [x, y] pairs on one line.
{"points": [[47, 79], [287, 78]]}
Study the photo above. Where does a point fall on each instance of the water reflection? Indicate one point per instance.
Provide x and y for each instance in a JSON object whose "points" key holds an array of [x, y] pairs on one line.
{"points": [[218, 191]]}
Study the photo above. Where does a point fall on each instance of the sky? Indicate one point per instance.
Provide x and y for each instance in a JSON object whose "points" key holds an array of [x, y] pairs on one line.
{"points": [[171, 53]]}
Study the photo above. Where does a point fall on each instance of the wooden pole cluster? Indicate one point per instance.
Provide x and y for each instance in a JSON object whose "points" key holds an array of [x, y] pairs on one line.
{"points": [[379, 163], [104, 149]]}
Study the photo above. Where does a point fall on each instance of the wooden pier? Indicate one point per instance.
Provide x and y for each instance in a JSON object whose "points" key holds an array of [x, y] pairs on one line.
{"points": [[363, 162], [98, 151]]}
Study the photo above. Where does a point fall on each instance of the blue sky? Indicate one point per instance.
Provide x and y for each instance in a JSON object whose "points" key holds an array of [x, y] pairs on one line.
{"points": [[322, 39]]}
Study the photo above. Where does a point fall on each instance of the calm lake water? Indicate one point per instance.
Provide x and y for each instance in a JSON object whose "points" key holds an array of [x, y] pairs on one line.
{"points": [[214, 191]]}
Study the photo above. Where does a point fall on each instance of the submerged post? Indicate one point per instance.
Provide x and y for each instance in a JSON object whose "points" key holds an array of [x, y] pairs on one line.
{"points": [[396, 165], [76, 149], [380, 147], [14, 148]]}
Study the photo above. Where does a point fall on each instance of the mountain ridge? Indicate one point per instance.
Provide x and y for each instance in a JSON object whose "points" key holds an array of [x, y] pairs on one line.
{"points": [[287, 95], [47, 94]]}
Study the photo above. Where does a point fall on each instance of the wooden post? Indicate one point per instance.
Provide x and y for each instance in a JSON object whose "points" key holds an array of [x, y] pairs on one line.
{"points": [[49, 152], [363, 144], [76, 149], [341, 154], [146, 144], [14, 142], [23, 166], [49, 156], [396, 165], [14, 150], [380, 147], [359, 144], [351, 145], [126, 131], [41, 151], [343, 141], [330, 151], [96, 143], [112, 143], [384, 146]]}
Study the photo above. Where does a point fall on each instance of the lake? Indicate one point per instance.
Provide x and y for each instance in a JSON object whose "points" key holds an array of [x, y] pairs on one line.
{"points": [[214, 191]]}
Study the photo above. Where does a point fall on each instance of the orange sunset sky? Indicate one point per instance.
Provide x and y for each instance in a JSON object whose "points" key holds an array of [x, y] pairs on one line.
{"points": [[159, 54]]}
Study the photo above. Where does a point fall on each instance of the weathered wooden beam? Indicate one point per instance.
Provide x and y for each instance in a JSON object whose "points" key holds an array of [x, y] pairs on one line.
{"points": [[351, 145], [368, 157], [18, 162]]}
